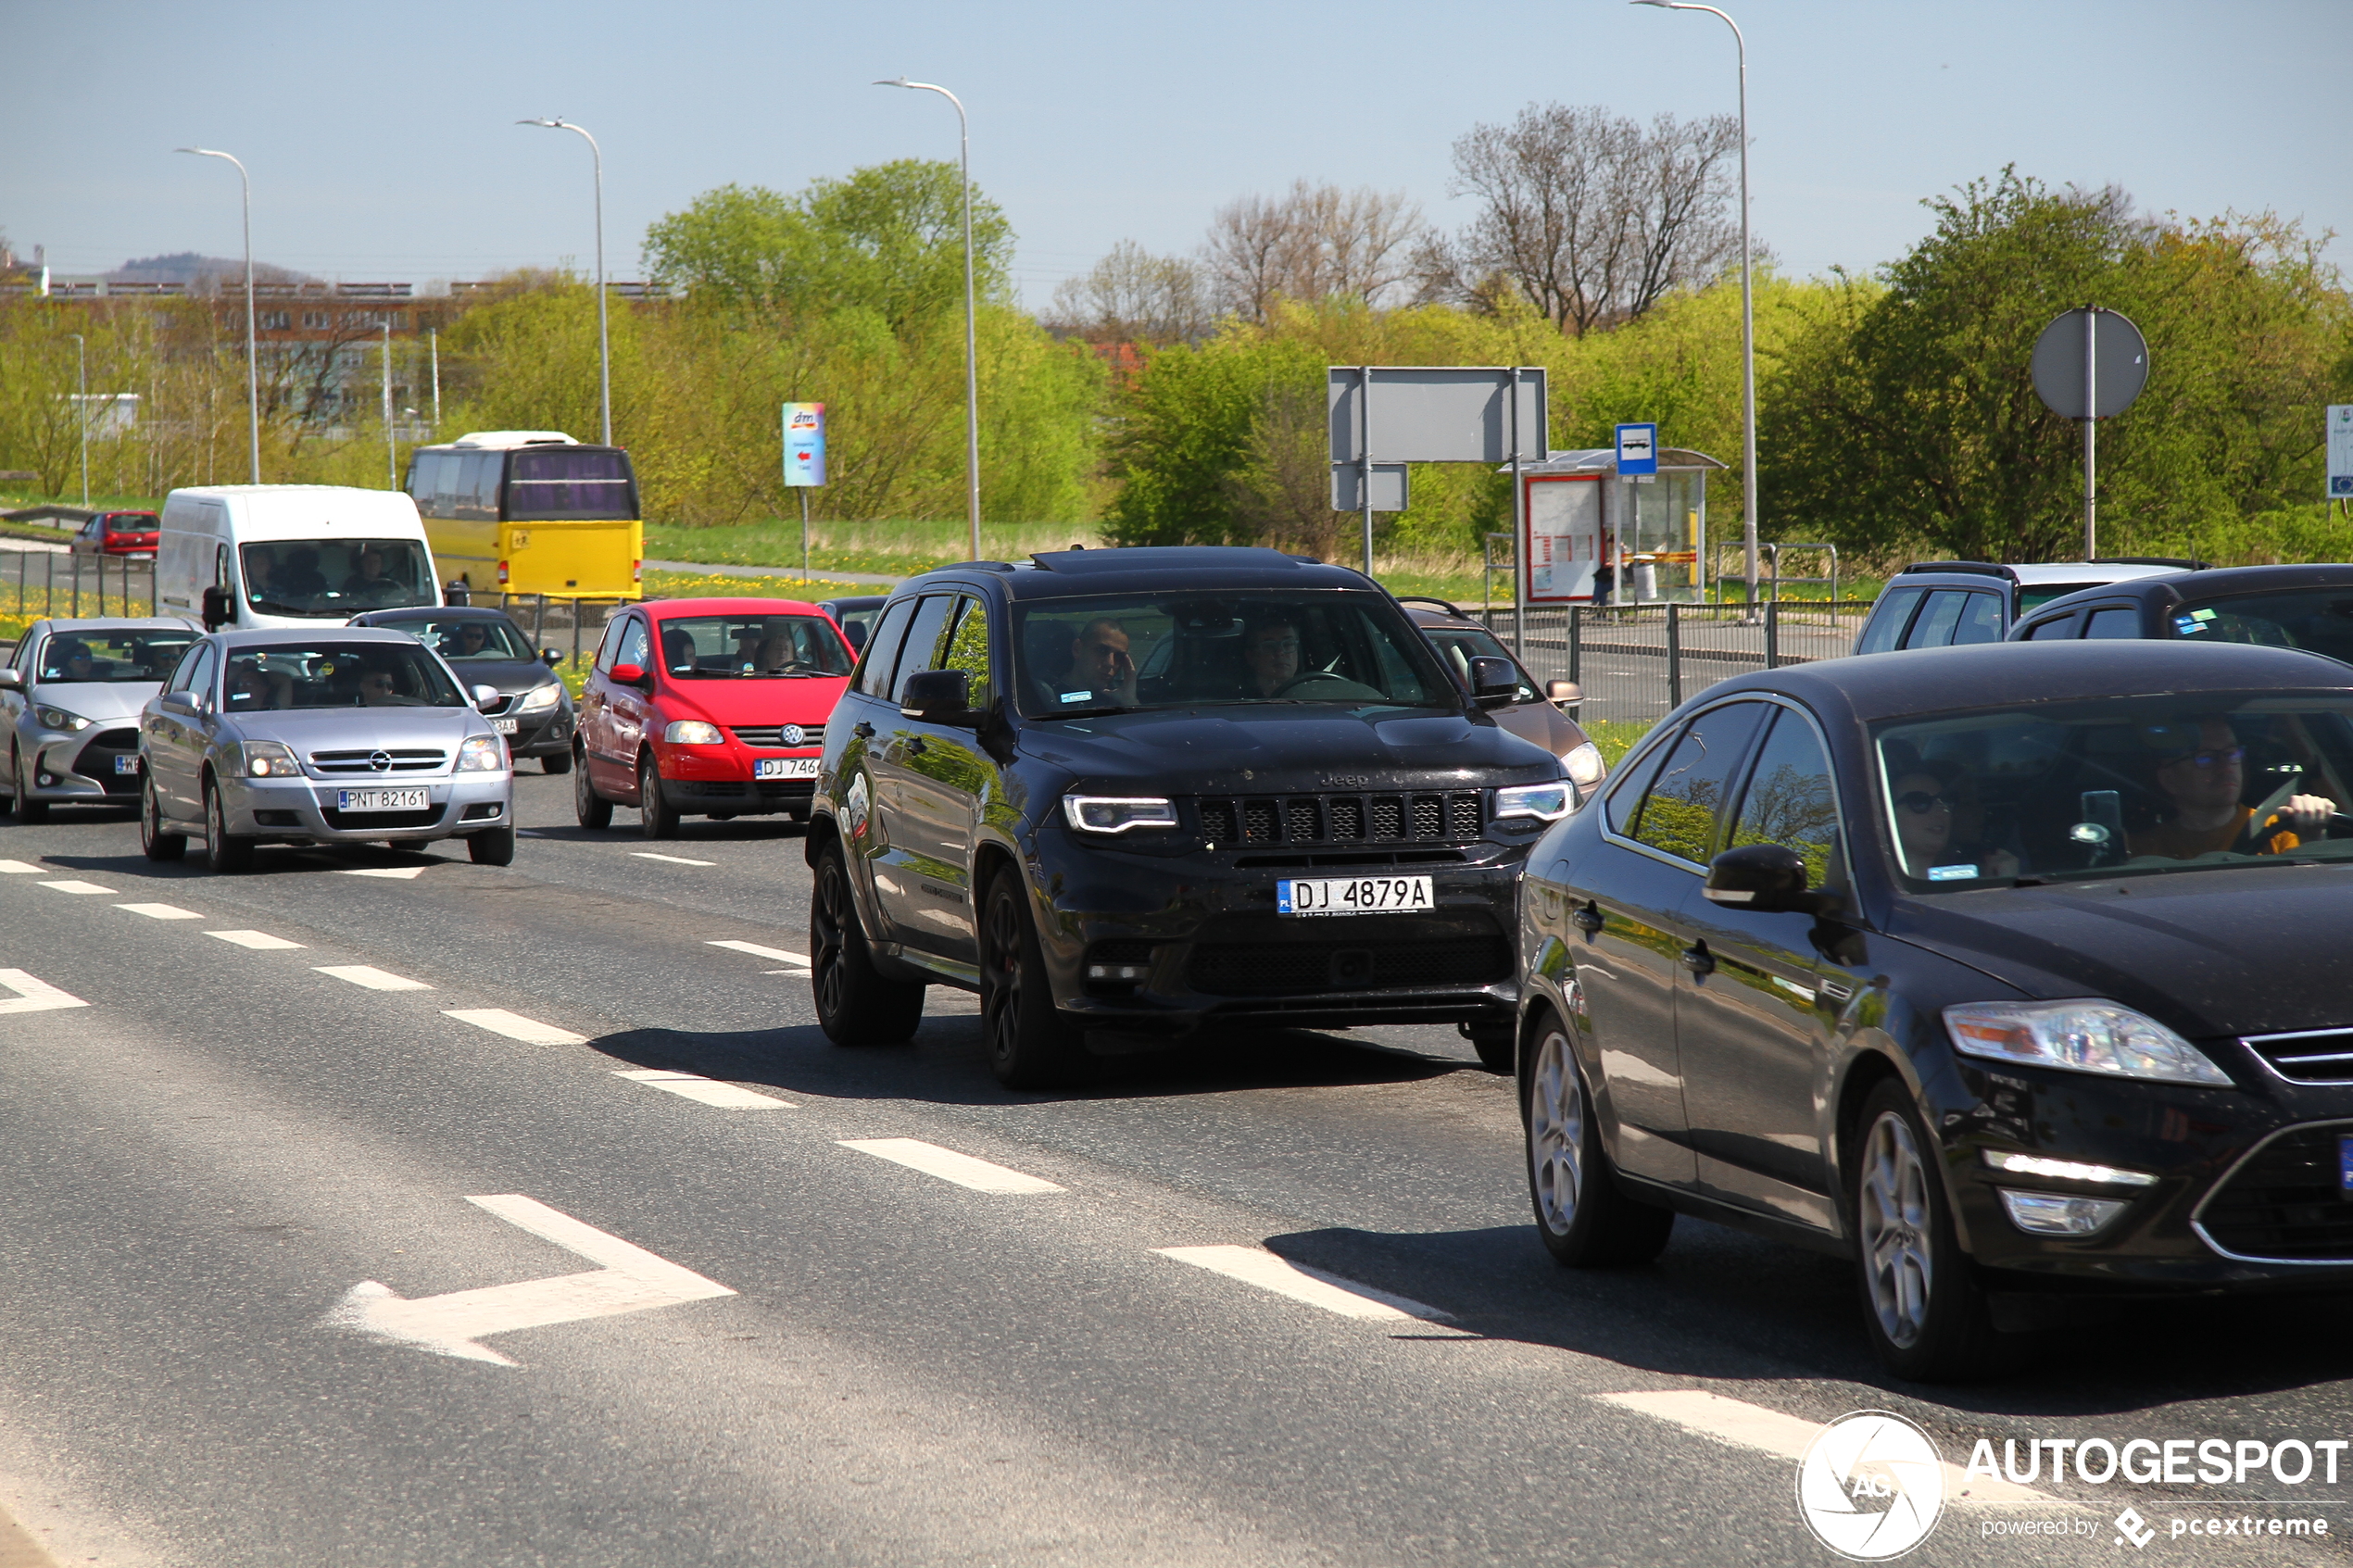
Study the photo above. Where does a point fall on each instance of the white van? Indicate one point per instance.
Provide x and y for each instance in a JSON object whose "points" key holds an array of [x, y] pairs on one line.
{"points": [[290, 554]]}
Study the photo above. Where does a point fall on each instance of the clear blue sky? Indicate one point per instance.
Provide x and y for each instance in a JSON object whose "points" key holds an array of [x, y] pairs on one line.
{"points": [[381, 143]]}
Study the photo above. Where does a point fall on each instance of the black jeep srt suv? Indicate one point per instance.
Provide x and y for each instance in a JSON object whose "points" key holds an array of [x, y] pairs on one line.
{"points": [[1124, 793]]}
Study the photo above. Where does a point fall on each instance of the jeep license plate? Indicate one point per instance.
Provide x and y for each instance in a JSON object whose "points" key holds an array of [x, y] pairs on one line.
{"points": [[383, 800], [1354, 896], [785, 766], [127, 764]]}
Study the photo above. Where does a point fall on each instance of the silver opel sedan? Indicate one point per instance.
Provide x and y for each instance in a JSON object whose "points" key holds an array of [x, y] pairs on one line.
{"points": [[344, 735], [71, 692]]}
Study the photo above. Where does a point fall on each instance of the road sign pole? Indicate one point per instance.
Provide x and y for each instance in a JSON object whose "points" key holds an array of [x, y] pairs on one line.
{"points": [[1519, 525], [1365, 453], [2091, 425]]}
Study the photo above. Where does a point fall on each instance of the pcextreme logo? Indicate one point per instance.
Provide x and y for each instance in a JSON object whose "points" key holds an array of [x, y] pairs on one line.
{"points": [[1870, 1486]]}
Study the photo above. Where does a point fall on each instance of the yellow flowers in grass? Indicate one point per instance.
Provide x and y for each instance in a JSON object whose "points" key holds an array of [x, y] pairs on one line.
{"points": [[714, 585]]}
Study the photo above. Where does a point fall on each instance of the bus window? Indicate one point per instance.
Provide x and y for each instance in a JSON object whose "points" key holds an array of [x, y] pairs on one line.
{"points": [[554, 482], [477, 497]]}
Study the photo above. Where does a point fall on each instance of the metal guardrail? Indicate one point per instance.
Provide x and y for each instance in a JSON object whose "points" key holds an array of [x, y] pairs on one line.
{"points": [[52, 583], [1637, 661]]}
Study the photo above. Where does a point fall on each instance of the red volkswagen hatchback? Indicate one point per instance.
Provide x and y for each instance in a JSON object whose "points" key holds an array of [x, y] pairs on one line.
{"points": [[712, 708]]}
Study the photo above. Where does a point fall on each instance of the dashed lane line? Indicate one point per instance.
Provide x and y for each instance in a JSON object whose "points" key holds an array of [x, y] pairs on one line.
{"points": [[949, 1165], [259, 941], [515, 1026], [1255, 1265], [706, 1091], [673, 859], [398, 874], [782, 955], [34, 996], [77, 888], [1743, 1425], [160, 911], [21, 868], [374, 979]]}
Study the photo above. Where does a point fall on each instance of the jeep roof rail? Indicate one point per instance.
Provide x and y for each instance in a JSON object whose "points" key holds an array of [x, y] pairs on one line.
{"points": [[2186, 565], [1974, 568], [1427, 599]]}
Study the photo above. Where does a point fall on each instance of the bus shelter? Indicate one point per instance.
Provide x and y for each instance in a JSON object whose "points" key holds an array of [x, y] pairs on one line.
{"points": [[1579, 514]]}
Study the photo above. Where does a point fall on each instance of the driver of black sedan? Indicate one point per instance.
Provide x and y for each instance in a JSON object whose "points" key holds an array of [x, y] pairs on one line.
{"points": [[2201, 771]]}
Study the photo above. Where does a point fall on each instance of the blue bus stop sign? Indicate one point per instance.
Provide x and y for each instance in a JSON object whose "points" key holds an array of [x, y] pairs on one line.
{"points": [[1637, 449]]}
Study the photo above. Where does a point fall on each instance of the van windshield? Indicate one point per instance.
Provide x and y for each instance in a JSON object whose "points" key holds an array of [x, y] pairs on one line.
{"points": [[337, 578]]}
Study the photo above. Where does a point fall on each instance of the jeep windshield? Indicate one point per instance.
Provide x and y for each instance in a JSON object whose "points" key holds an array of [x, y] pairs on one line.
{"points": [[1124, 651], [2121, 786]]}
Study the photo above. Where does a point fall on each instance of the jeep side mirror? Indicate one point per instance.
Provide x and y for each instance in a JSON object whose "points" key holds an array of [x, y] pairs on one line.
{"points": [[220, 608], [1768, 878], [938, 696], [1565, 694], [1493, 681]]}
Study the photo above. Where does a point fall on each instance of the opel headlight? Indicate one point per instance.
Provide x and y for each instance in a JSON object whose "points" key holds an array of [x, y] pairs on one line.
{"points": [[1545, 802], [482, 754], [2087, 1035], [58, 719], [1584, 765], [267, 759], [538, 699], [692, 732], [1117, 813]]}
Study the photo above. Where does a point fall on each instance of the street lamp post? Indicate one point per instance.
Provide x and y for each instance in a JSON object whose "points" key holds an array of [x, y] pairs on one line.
{"points": [[604, 342], [392, 465], [253, 369], [82, 410], [972, 359], [1748, 308]]}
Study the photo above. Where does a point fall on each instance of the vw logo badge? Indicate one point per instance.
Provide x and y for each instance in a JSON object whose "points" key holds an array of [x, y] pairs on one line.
{"points": [[380, 760], [793, 734]]}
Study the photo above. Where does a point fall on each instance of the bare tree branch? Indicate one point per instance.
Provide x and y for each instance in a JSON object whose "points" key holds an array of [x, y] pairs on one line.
{"points": [[1314, 241]]}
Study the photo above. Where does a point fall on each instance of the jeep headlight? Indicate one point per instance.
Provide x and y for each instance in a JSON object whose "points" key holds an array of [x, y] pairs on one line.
{"points": [[267, 759], [2087, 1035], [538, 699], [1545, 802], [1584, 765], [1117, 813], [58, 719], [482, 754], [692, 732]]}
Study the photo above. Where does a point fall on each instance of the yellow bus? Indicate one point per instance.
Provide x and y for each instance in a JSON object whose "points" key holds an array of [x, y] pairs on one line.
{"points": [[531, 511]]}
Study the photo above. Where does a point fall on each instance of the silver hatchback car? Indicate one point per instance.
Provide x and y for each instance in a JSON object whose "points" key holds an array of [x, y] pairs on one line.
{"points": [[71, 692], [345, 734]]}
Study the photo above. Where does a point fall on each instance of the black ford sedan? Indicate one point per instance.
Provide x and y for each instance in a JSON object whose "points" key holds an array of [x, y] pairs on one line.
{"points": [[2016, 975]]}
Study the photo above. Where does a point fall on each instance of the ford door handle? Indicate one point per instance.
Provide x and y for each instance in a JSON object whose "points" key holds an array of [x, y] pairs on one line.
{"points": [[1587, 919], [1697, 958], [862, 729]]}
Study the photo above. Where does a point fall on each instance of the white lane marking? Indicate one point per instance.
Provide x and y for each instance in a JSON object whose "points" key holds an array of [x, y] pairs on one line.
{"points": [[77, 888], [705, 1091], [399, 872], [260, 941], [949, 1165], [1255, 1265], [515, 1027], [782, 955], [160, 911], [19, 868], [34, 996], [631, 1280], [673, 859], [1745, 1425], [371, 977]]}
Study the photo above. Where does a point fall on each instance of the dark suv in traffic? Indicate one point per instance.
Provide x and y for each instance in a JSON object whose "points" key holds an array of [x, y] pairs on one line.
{"points": [[2287, 607], [1125, 794]]}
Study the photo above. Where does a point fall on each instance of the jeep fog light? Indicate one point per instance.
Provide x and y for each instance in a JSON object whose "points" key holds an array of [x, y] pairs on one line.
{"points": [[2051, 1213]]}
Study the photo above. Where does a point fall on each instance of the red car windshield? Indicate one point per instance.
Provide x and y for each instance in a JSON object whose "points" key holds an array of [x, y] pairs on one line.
{"points": [[720, 648]]}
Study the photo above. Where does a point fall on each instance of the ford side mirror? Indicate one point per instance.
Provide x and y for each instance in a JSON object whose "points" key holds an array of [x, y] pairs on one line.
{"points": [[220, 608], [629, 675], [1768, 878], [1565, 694], [938, 696], [1493, 681]]}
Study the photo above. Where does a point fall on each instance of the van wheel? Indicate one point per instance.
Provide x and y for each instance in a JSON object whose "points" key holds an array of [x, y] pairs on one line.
{"points": [[29, 810], [592, 809], [159, 845], [493, 846], [557, 762], [1031, 1046], [656, 816], [856, 1006], [222, 853]]}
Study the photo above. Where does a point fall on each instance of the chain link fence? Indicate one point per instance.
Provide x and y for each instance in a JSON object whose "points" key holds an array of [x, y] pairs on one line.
{"points": [[1637, 661]]}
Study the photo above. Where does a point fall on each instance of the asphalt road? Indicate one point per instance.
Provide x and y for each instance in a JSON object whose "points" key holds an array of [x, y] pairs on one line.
{"points": [[837, 1354]]}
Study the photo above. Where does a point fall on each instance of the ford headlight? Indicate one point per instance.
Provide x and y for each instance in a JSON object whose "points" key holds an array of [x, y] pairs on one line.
{"points": [[2088, 1036], [482, 754], [58, 719], [1584, 765], [538, 699], [267, 759], [1117, 813], [1545, 802], [692, 732]]}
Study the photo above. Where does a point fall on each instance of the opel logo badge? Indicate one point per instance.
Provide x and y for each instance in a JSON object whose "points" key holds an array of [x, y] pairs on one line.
{"points": [[793, 734], [380, 760]]}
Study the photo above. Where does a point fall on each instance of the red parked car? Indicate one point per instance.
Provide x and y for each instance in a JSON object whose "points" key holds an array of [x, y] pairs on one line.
{"points": [[120, 533], [711, 708]]}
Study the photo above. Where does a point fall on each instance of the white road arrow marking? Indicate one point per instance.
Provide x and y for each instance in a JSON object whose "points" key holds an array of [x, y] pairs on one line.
{"points": [[34, 996], [632, 1280]]}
